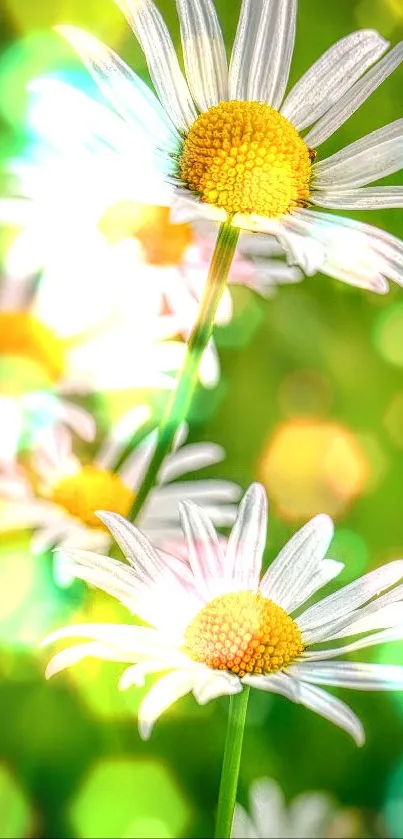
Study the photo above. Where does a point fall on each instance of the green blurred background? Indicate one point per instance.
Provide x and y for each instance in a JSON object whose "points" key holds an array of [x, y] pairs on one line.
{"points": [[311, 403]]}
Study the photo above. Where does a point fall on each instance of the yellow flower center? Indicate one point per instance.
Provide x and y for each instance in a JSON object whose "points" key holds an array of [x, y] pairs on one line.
{"points": [[243, 633], [92, 489], [162, 242], [245, 157], [23, 336]]}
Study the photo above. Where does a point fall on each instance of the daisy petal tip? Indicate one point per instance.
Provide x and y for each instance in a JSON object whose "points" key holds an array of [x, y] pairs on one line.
{"points": [[66, 30], [359, 737], [126, 681], [145, 728], [51, 670], [257, 492]]}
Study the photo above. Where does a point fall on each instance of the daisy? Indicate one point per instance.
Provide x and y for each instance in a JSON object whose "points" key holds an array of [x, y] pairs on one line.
{"points": [[33, 374], [229, 140], [60, 500], [216, 628], [51, 348], [121, 222], [308, 816]]}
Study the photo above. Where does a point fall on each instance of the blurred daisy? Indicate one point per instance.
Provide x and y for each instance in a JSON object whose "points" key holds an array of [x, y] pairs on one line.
{"points": [[216, 628], [34, 374], [60, 500], [307, 817], [229, 140], [51, 347]]}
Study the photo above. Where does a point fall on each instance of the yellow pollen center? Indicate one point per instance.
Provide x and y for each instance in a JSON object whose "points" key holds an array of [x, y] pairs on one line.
{"points": [[162, 242], [92, 489], [243, 633], [245, 157], [25, 337]]}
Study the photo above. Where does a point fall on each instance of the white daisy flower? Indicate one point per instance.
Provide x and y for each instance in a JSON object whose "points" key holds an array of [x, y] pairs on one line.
{"points": [[59, 502], [51, 347], [309, 816], [229, 140], [216, 628], [121, 223], [34, 374]]}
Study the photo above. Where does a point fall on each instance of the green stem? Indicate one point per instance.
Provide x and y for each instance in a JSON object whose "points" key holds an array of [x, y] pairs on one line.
{"points": [[231, 763], [180, 399]]}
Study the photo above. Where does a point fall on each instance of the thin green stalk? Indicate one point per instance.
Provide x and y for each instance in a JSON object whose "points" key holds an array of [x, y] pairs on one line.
{"points": [[180, 399], [231, 763]]}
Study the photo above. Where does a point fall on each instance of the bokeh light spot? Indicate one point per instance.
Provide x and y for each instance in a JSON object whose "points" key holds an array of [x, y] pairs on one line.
{"points": [[312, 466], [130, 798]]}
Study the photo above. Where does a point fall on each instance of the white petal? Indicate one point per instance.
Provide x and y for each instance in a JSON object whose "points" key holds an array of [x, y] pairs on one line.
{"points": [[274, 683], [134, 640], [331, 76], [350, 674], [380, 614], [268, 809], [49, 536], [395, 633], [246, 543], [351, 596], [127, 92], [242, 825], [271, 60], [313, 812], [210, 494], [189, 459], [367, 198], [163, 694], [153, 35], [209, 684], [160, 588], [204, 550], [332, 709], [351, 101], [135, 546], [77, 418], [121, 432], [136, 464], [135, 675], [298, 562], [73, 655], [110, 575], [204, 52], [327, 571], [356, 253], [249, 23], [374, 156]]}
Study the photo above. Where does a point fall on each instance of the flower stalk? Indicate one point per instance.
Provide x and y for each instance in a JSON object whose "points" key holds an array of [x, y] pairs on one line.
{"points": [[179, 402], [231, 763]]}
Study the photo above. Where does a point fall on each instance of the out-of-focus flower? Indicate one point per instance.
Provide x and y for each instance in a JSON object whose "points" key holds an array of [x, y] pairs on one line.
{"points": [[60, 496], [34, 373], [307, 817], [217, 628], [229, 142], [56, 341]]}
